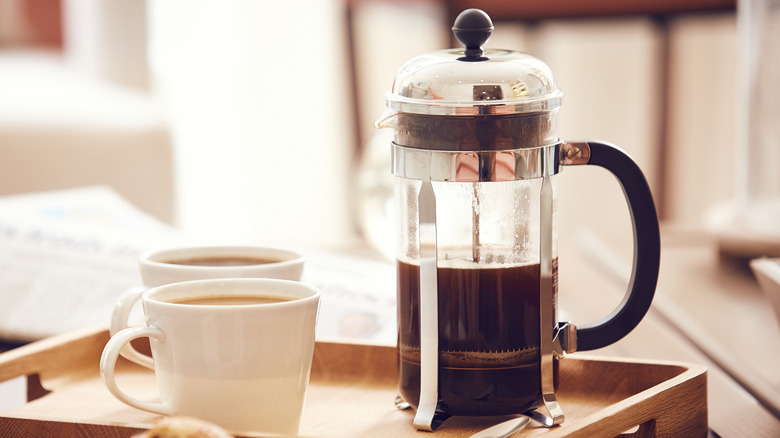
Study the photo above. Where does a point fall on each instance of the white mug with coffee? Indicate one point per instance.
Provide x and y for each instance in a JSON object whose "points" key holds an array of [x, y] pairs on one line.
{"points": [[236, 352], [202, 262]]}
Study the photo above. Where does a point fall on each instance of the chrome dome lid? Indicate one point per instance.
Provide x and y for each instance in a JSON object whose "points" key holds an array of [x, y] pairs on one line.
{"points": [[473, 81]]}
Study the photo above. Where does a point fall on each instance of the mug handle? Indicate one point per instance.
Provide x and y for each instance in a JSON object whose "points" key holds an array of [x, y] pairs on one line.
{"points": [[119, 318], [108, 367], [647, 241]]}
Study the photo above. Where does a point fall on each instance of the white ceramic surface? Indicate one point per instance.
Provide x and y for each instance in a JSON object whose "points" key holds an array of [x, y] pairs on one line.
{"points": [[243, 367], [156, 271]]}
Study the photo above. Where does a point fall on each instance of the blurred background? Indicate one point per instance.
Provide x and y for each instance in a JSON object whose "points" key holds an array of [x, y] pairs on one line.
{"points": [[253, 121]]}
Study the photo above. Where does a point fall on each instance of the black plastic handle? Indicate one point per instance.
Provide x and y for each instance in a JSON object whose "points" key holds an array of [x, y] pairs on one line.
{"points": [[647, 249]]}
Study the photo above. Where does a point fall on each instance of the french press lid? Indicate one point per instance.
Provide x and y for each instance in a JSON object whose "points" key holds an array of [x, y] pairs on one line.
{"points": [[473, 98], [472, 81]]}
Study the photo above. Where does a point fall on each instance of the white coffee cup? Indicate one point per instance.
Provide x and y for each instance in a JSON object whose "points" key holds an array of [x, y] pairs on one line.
{"points": [[189, 263], [244, 367]]}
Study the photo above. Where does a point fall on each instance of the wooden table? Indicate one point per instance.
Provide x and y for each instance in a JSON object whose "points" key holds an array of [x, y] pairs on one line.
{"points": [[706, 311]]}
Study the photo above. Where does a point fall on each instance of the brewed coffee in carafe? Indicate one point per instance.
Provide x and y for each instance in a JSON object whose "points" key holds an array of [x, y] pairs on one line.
{"points": [[476, 158]]}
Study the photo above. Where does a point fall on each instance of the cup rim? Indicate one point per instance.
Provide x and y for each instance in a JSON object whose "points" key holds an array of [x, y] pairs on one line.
{"points": [[157, 257], [279, 287]]}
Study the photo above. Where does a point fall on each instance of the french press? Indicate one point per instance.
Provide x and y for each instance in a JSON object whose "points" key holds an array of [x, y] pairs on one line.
{"points": [[476, 159]]}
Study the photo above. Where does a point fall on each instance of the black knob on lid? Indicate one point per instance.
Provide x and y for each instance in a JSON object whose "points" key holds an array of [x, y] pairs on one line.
{"points": [[473, 28]]}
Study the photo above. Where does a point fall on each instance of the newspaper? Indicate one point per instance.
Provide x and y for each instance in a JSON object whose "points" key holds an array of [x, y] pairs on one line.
{"points": [[358, 296], [66, 255]]}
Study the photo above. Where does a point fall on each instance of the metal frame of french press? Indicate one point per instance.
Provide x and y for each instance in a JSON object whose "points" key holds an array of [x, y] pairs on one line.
{"points": [[473, 28], [556, 339]]}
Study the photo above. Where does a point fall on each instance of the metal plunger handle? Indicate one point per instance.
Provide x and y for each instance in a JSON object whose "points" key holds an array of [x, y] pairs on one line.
{"points": [[647, 242]]}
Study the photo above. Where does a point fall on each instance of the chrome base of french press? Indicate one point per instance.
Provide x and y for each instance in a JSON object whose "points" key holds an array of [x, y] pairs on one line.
{"points": [[564, 341]]}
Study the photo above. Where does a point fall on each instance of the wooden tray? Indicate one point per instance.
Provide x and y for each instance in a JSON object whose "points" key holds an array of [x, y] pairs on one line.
{"points": [[351, 395]]}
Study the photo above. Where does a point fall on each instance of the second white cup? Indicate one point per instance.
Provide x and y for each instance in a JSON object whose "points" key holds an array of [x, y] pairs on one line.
{"points": [[176, 265]]}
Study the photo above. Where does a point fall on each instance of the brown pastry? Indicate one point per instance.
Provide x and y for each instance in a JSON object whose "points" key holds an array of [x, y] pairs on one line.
{"points": [[184, 427]]}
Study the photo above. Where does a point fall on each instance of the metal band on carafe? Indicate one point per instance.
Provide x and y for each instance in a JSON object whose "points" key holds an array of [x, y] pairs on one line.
{"points": [[475, 166]]}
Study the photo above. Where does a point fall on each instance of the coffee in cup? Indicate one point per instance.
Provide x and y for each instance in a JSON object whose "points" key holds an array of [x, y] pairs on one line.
{"points": [[203, 262]]}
